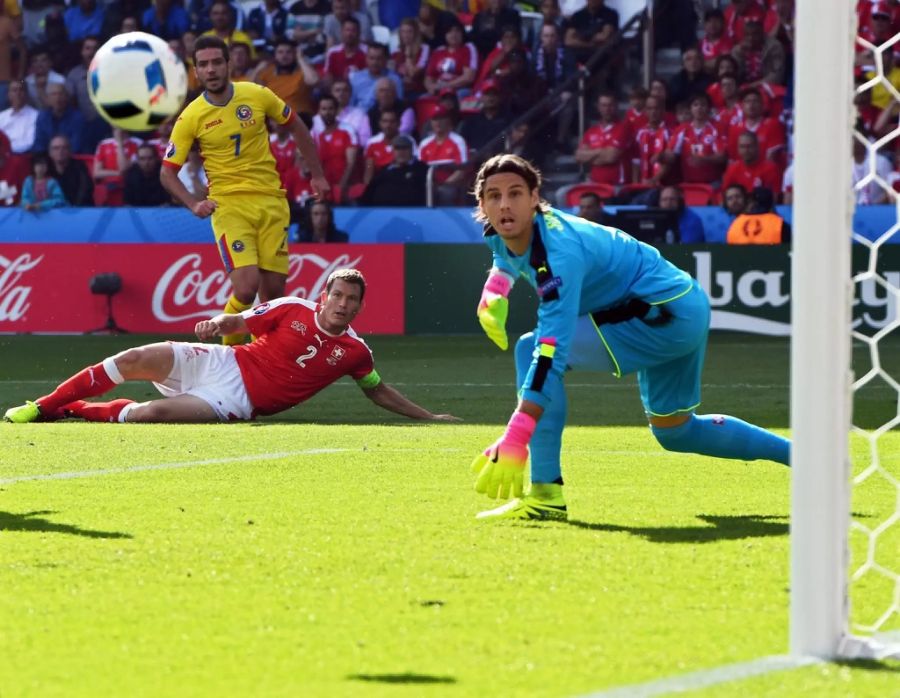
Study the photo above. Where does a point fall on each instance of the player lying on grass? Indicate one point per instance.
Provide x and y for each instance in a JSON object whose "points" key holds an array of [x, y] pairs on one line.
{"points": [[300, 348], [607, 303]]}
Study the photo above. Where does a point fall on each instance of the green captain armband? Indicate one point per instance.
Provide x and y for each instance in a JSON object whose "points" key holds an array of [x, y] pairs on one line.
{"points": [[370, 381]]}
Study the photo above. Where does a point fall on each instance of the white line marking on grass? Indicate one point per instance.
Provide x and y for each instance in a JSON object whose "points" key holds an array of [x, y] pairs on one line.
{"points": [[76, 474], [708, 677]]}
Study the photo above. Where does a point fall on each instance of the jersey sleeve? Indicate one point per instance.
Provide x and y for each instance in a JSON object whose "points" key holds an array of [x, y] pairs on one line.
{"points": [[363, 371], [557, 318], [180, 141], [264, 317], [274, 107]]}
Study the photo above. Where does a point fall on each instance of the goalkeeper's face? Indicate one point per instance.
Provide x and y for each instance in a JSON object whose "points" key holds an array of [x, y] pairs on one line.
{"points": [[509, 205], [339, 306]]}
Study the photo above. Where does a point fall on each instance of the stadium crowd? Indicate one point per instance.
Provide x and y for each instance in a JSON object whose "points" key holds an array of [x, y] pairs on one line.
{"points": [[388, 88]]}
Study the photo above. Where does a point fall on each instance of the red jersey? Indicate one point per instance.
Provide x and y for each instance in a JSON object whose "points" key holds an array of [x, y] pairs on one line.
{"points": [[635, 120], [452, 149], [726, 117], [106, 152], [688, 140], [734, 22], [650, 142], [769, 133], [713, 48], [161, 145], [379, 151], [339, 64], [447, 64], [762, 173], [420, 61], [608, 136], [332, 147], [297, 187], [293, 358], [285, 154]]}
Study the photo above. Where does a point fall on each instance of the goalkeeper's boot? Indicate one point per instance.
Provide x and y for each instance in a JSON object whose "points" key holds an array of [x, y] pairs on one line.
{"points": [[29, 412], [544, 502]]}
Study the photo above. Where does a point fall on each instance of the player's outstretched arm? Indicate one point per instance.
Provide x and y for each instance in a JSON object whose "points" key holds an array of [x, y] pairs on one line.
{"points": [[393, 400], [220, 325]]}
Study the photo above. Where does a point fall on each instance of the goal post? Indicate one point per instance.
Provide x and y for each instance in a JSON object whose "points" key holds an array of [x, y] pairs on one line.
{"points": [[822, 290]]}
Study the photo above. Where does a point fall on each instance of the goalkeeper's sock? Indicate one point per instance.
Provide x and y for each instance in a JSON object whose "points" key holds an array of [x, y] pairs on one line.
{"points": [[98, 411], [547, 493], [89, 382], [724, 436], [233, 307]]}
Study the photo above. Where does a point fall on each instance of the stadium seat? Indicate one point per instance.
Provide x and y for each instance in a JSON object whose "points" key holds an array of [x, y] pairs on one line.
{"points": [[696, 194], [572, 193]]}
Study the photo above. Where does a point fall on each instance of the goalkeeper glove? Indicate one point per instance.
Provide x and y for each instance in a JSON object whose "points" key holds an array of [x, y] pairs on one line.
{"points": [[494, 307], [501, 468]]}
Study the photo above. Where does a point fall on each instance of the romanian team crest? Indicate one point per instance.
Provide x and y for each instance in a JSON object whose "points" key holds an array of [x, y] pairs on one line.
{"points": [[170, 150], [237, 246], [243, 113]]}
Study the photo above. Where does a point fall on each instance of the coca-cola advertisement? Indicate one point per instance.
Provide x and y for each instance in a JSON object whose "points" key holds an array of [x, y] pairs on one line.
{"points": [[168, 288]]}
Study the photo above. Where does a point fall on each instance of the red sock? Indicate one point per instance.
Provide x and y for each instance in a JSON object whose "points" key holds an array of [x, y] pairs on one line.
{"points": [[88, 382], [98, 411]]}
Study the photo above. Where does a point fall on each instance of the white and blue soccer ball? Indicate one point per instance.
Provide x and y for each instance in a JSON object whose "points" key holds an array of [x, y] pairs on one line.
{"points": [[136, 81]]}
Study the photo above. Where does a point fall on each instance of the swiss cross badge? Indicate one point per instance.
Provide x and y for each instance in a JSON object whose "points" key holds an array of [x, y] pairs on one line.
{"points": [[336, 355]]}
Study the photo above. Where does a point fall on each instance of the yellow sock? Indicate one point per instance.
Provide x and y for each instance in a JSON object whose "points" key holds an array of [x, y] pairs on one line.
{"points": [[233, 307]]}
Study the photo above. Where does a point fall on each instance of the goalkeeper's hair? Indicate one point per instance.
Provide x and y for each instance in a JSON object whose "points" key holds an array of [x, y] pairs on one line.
{"points": [[507, 163], [351, 276]]}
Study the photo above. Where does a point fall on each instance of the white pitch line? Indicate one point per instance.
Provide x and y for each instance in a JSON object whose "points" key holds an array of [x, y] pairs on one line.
{"points": [[76, 474], [603, 386], [708, 677]]}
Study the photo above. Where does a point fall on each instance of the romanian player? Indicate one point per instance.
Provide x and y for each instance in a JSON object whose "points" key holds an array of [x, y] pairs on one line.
{"points": [[607, 302], [301, 347], [246, 201]]}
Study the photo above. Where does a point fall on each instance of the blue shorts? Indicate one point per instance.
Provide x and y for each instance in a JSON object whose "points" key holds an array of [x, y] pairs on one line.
{"points": [[668, 358]]}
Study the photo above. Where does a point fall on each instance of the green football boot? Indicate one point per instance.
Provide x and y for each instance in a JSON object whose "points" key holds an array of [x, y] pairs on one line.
{"points": [[29, 412], [544, 502]]}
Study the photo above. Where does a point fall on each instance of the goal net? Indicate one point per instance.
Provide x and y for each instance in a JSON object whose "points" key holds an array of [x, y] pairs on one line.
{"points": [[845, 370]]}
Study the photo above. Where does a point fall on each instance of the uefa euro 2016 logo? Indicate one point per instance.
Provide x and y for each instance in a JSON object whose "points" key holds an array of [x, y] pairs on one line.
{"points": [[243, 112]]}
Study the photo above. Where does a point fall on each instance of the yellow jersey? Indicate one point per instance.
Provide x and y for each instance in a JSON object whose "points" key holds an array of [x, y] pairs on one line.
{"points": [[233, 138]]}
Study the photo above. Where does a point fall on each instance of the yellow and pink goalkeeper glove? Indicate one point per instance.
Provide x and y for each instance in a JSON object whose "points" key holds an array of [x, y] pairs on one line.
{"points": [[493, 307], [501, 468]]}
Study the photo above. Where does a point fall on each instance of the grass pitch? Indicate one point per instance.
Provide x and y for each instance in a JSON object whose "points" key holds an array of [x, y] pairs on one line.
{"points": [[332, 551]]}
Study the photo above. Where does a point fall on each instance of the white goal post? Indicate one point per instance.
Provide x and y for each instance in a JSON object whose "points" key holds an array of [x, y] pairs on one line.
{"points": [[821, 380]]}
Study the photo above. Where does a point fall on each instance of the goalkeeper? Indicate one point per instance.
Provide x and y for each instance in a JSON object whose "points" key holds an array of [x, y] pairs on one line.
{"points": [[606, 302]]}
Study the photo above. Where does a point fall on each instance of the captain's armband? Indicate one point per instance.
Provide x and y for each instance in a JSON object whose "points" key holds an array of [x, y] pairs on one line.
{"points": [[372, 380]]}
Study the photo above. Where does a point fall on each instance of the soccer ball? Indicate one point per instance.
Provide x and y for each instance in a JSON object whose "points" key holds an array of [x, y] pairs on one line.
{"points": [[136, 81]]}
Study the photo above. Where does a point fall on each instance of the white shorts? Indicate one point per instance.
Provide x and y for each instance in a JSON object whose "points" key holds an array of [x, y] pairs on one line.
{"points": [[209, 372]]}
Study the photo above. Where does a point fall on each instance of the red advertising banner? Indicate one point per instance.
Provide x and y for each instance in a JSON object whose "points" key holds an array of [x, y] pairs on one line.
{"points": [[168, 288]]}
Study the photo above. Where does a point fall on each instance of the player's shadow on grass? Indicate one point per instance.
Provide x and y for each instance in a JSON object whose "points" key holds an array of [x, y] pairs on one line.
{"points": [[408, 677], [717, 528], [870, 665], [31, 521]]}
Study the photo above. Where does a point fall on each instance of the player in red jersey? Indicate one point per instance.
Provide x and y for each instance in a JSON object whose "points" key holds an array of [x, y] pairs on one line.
{"points": [[301, 348], [604, 146], [698, 146], [649, 166]]}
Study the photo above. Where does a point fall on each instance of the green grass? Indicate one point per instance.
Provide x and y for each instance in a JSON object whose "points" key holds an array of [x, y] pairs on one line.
{"points": [[362, 572]]}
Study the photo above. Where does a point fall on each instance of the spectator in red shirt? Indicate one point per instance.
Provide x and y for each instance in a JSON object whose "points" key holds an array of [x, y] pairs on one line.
{"points": [[111, 160], [636, 114], [379, 150], [750, 170], [284, 149], [650, 166], [496, 65], [726, 105], [337, 148], [605, 144], [411, 58], [347, 56], [739, 12], [453, 65], [698, 146], [769, 131], [445, 146], [715, 41]]}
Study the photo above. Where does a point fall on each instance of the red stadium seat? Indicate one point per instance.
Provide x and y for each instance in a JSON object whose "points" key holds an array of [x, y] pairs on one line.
{"points": [[574, 192], [425, 106], [696, 194]]}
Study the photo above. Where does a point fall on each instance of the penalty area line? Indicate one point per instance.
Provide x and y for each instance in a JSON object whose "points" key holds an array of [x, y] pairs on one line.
{"points": [[707, 677], [77, 474]]}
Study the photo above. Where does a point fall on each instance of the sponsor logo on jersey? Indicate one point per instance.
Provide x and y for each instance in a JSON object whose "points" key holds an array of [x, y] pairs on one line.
{"points": [[170, 150], [243, 113], [549, 285], [237, 246], [216, 122], [261, 308]]}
